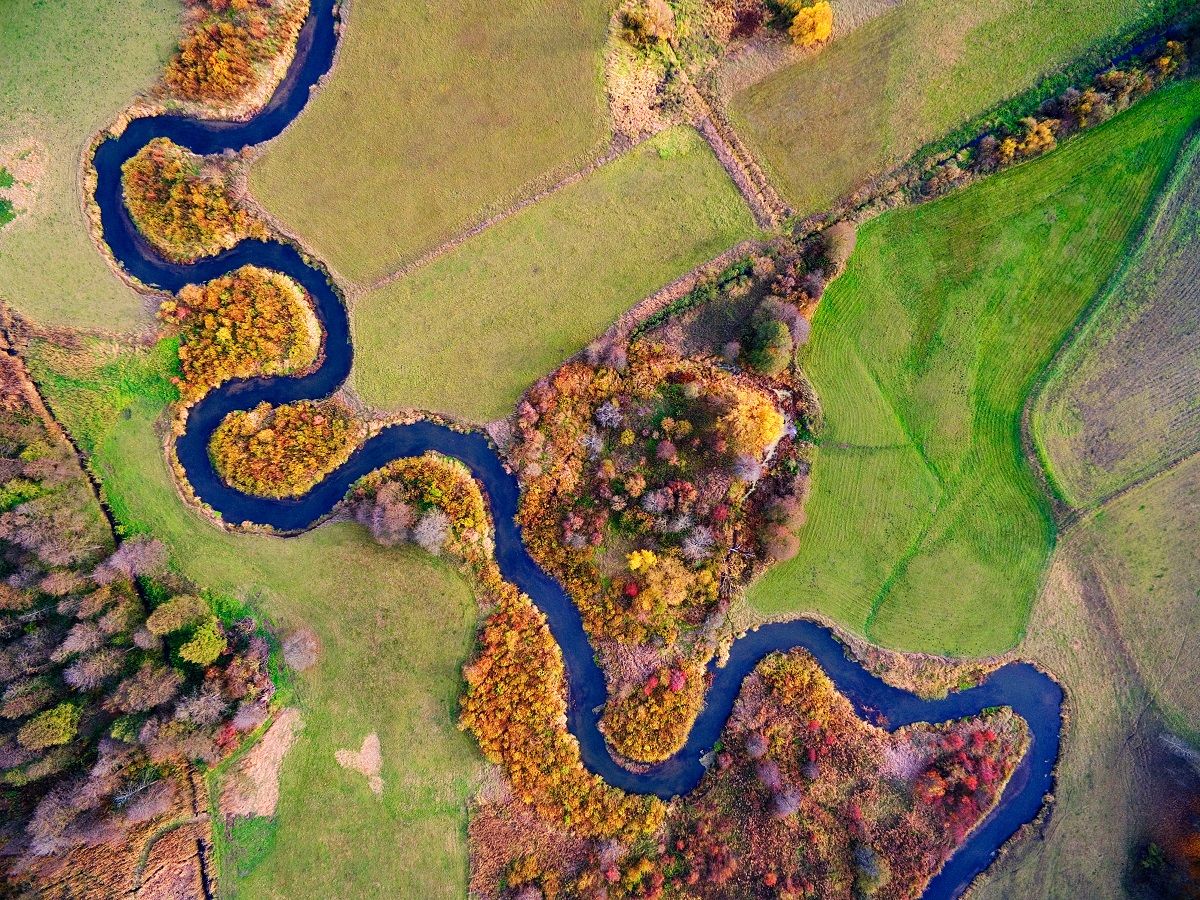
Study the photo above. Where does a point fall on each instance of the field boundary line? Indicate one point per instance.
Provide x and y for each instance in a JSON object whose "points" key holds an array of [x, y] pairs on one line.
{"points": [[617, 148]]}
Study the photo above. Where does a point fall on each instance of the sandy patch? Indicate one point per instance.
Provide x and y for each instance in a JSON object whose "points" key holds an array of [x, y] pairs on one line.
{"points": [[368, 761], [252, 789], [26, 162]]}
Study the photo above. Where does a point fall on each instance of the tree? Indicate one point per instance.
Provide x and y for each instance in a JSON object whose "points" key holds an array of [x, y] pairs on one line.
{"points": [[151, 686], [176, 614], [839, 241], [206, 644], [91, 671], [52, 728], [812, 25], [141, 555], [768, 348], [431, 532], [386, 514]]}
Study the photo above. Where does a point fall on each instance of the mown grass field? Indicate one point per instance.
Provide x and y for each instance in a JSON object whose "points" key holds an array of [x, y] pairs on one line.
{"points": [[926, 528], [395, 626], [469, 332], [68, 67], [1103, 779], [433, 117], [876, 95], [1124, 400], [1143, 546]]}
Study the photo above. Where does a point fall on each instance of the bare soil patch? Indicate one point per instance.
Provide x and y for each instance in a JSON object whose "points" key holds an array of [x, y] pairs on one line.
{"points": [[368, 761], [252, 789]]}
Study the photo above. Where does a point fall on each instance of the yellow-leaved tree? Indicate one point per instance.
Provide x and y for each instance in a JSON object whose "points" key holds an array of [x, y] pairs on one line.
{"points": [[811, 25]]}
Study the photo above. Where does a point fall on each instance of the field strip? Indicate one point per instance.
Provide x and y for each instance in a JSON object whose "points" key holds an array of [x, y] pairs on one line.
{"points": [[617, 150]]}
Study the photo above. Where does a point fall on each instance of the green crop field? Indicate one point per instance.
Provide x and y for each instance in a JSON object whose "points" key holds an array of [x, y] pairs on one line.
{"points": [[432, 118], [59, 86], [394, 625], [875, 96], [469, 332], [926, 528], [1124, 400]]}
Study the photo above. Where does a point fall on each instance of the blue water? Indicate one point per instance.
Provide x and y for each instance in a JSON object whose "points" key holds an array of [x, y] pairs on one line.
{"points": [[1035, 696]]}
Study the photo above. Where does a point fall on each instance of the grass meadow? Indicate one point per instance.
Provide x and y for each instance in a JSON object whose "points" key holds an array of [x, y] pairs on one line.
{"points": [[1102, 781], [927, 530], [394, 625], [60, 84], [1144, 550], [876, 95], [467, 333], [1124, 400], [432, 118]]}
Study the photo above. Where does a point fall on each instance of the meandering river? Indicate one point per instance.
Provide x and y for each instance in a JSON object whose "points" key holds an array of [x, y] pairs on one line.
{"points": [[1033, 695]]}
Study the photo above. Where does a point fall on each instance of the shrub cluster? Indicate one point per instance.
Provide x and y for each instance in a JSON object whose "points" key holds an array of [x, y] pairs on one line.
{"points": [[185, 209], [515, 705], [227, 43], [249, 322], [430, 500], [650, 723], [653, 458], [282, 451]]}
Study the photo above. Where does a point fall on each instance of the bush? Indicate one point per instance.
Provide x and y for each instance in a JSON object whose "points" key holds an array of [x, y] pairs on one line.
{"points": [[176, 614], [53, 728], [649, 21]]}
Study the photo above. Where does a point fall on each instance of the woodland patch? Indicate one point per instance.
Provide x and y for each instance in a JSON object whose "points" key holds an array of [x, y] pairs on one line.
{"points": [[183, 204]]}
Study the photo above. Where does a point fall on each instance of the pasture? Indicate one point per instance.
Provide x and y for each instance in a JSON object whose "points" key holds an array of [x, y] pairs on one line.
{"points": [[927, 530], [432, 119], [1124, 400], [1103, 780], [907, 77], [467, 333], [395, 626], [1143, 548], [60, 85]]}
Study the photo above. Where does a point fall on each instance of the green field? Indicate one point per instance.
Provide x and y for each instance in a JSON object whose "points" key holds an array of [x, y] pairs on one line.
{"points": [[60, 84], [875, 96], [1124, 400], [394, 626], [432, 118], [926, 528], [469, 332]]}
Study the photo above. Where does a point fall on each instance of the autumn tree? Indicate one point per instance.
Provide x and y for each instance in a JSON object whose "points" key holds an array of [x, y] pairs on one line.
{"points": [[811, 25]]}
